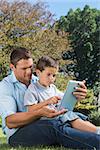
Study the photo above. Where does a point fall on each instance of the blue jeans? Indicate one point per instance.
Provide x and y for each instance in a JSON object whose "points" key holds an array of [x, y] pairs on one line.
{"points": [[51, 132]]}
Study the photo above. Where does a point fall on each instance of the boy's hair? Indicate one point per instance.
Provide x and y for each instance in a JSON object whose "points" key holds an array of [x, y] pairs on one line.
{"points": [[19, 53], [46, 61]]}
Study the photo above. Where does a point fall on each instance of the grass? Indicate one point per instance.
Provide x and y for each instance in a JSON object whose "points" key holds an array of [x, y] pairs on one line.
{"points": [[5, 146]]}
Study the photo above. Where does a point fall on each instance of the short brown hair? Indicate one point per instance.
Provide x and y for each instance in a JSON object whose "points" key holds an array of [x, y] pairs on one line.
{"points": [[46, 61], [19, 53]]}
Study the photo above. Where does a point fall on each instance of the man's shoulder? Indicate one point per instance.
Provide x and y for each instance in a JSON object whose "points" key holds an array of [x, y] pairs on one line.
{"points": [[5, 80], [6, 85]]}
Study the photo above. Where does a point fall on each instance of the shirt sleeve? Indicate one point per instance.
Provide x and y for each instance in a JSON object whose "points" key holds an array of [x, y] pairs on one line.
{"points": [[7, 101], [31, 96]]}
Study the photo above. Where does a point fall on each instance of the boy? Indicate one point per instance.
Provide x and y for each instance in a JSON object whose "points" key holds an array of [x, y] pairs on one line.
{"points": [[45, 92]]}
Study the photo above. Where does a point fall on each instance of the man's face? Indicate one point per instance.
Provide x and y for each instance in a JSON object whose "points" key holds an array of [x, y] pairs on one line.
{"points": [[47, 76], [23, 70]]}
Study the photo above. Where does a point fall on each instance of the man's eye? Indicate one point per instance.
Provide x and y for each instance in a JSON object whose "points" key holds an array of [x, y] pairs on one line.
{"points": [[31, 67], [23, 68]]}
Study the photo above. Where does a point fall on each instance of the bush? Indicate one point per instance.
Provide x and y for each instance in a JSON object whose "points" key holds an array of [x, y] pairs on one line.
{"points": [[4, 64], [95, 118], [86, 106], [61, 81], [0, 122], [3, 71]]}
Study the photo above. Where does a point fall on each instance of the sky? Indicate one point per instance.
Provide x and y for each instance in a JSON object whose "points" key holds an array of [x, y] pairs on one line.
{"points": [[61, 7]]}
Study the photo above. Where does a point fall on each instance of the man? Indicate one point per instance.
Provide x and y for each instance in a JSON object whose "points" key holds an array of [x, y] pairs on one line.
{"points": [[24, 128]]}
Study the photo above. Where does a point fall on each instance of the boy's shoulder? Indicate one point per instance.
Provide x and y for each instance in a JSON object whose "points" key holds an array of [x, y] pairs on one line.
{"points": [[34, 78], [53, 86]]}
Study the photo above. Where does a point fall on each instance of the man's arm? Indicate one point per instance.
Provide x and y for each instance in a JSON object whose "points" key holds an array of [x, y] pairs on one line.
{"points": [[23, 118]]}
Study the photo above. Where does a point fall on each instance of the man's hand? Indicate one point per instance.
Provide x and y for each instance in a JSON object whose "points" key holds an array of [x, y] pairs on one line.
{"points": [[81, 91], [50, 112]]}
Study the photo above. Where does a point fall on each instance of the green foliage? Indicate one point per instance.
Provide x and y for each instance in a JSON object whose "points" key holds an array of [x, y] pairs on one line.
{"points": [[3, 64], [87, 105], [95, 117], [61, 81], [47, 42], [20, 20], [84, 33], [0, 122], [7, 147], [23, 24], [96, 88], [3, 70]]}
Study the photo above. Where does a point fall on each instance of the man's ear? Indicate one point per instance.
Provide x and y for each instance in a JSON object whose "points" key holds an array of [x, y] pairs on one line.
{"points": [[12, 66]]}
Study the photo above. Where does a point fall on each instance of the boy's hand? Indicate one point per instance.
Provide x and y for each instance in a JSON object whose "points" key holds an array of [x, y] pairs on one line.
{"points": [[53, 100], [81, 91]]}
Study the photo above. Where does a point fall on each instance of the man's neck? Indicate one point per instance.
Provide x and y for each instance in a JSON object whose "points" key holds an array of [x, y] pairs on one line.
{"points": [[27, 83]]}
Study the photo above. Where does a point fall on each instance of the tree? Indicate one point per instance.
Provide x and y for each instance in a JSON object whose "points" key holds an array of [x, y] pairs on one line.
{"points": [[27, 25], [84, 33], [21, 19]]}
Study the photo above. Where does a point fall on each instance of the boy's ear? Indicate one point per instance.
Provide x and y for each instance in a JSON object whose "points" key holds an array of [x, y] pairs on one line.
{"points": [[38, 72]]}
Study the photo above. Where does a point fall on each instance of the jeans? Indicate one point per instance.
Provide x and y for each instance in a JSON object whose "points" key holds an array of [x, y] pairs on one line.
{"points": [[52, 132]]}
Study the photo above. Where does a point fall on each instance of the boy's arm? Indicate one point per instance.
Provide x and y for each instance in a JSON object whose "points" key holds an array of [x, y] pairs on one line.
{"points": [[81, 91], [50, 101]]}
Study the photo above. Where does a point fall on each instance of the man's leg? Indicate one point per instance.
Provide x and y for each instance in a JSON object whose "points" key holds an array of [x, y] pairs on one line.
{"points": [[45, 132], [40, 132]]}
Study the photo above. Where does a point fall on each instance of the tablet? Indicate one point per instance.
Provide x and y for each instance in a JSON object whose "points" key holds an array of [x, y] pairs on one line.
{"points": [[69, 100]]}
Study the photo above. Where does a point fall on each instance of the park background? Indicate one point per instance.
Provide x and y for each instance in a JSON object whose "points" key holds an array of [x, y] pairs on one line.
{"points": [[66, 30]]}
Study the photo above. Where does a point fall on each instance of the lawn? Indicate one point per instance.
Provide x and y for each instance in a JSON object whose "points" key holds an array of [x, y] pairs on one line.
{"points": [[4, 146]]}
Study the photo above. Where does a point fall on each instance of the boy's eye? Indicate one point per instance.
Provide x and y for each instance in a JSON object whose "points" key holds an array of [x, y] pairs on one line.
{"points": [[49, 74], [54, 75]]}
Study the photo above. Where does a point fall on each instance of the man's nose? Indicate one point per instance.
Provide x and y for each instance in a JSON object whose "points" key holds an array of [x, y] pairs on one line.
{"points": [[29, 70]]}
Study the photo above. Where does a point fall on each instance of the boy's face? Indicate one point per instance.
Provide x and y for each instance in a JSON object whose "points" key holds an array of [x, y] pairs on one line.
{"points": [[47, 76]]}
